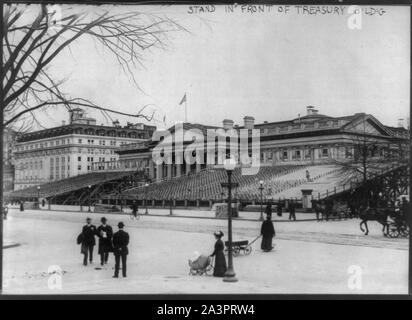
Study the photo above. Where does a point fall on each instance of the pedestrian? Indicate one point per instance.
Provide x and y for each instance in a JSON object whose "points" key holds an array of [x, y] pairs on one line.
{"points": [[6, 209], [268, 232], [105, 234], [43, 203], [220, 260], [120, 243], [268, 209], [279, 209], [307, 175], [328, 208], [88, 241], [292, 215], [135, 208], [317, 211], [21, 205]]}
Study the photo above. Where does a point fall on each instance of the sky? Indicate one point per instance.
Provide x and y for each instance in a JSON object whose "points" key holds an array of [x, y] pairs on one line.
{"points": [[269, 65]]}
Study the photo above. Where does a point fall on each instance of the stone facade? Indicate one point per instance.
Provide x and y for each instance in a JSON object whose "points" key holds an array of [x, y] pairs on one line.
{"points": [[70, 150]]}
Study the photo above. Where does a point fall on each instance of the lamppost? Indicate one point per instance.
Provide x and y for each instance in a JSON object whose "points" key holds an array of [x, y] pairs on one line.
{"points": [[90, 199], [38, 197], [229, 165], [145, 197], [261, 198]]}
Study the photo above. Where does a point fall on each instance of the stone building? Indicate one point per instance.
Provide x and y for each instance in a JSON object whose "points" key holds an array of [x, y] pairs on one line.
{"points": [[310, 139], [71, 149]]}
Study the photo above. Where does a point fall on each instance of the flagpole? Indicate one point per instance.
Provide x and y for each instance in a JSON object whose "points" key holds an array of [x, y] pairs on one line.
{"points": [[186, 109]]}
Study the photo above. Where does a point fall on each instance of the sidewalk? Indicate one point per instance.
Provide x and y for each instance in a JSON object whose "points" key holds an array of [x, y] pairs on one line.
{"points": [[189, 213]]}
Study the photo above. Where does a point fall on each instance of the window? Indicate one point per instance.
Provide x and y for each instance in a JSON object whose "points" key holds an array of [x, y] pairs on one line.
{"points": [[348, 152], [79, 168], [325, 152], [80, 141], [284, 155], [79, 158], [296, 154]]}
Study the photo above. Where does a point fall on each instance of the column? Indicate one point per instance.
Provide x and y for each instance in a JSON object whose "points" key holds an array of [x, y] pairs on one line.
{"points": [[178, 164], [159, 172], [169, 171], [187, 168], [151, 169]]}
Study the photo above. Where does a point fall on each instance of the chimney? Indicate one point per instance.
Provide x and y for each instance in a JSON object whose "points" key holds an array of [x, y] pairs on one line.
{"points": [[309, 110], [314, 111], [228, 124], [401, 123], [249, 122]]}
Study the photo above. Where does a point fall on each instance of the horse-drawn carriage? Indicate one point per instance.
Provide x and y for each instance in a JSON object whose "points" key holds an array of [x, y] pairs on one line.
{"points": [[398, 226]]}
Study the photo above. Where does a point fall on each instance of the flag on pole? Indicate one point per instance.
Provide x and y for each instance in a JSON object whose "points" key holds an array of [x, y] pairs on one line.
{"points": [[183, 100]]}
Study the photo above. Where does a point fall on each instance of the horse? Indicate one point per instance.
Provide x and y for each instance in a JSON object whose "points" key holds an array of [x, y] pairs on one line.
{"points": [[373, 214]]}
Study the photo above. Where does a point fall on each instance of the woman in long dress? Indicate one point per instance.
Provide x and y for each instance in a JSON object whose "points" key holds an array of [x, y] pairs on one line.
{"points": [[267, 231], [220, 260]]}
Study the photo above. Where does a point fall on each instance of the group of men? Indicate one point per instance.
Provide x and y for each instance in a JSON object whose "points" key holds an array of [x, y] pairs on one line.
{"points": [[108, 242]]}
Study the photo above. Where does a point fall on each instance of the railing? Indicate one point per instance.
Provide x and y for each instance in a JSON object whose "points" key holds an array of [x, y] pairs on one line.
{"points": [[355, 184]]}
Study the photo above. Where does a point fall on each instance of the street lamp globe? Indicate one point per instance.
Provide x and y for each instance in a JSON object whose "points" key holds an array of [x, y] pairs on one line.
{"points": [[38, 187], [229, 164], [261, 183]]}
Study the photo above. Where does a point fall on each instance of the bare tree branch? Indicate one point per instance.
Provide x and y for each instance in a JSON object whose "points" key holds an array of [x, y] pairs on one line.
{"points": [[31, 45]]}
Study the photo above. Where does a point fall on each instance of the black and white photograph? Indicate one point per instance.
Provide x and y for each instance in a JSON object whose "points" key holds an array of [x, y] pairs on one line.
{"points": [[188, 149]]}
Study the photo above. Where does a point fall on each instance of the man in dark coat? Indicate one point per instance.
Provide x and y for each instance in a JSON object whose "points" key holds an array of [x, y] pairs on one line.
{"points": [[268, 232], [105, 234], [292, 215], [120, 242], [135, 208], [88, 241], [279, 209]]}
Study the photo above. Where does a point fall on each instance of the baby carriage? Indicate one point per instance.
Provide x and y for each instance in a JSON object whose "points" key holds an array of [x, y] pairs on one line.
{"points": [[200, 265]]}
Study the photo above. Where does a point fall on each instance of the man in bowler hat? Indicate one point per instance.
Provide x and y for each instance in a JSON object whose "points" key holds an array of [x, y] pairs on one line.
{"points": [[120, 242]]}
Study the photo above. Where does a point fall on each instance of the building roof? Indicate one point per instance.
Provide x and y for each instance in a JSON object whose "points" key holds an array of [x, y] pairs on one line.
{"points": [[72, 128]]}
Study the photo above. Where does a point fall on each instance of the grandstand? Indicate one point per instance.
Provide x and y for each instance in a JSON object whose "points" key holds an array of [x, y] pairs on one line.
{"points": [[73, 184], [207, 184], [279, 182], [202, 188]]}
